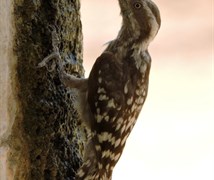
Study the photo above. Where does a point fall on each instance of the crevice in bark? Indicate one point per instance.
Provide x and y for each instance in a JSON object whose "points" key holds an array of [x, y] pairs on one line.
{"points": [[46, 140]]}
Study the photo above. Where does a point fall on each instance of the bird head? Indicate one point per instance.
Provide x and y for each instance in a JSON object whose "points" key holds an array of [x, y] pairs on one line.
{"points": [[141, 18]]}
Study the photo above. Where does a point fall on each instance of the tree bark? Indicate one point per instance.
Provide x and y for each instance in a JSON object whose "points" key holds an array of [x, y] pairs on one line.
{"points": [[40, 135]]}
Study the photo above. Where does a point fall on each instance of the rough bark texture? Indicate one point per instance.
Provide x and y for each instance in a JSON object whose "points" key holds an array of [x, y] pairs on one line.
{"points": [[45, 140]]}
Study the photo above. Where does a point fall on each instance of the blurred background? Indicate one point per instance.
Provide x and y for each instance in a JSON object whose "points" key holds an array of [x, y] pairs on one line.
{"points": [[174, 135]]}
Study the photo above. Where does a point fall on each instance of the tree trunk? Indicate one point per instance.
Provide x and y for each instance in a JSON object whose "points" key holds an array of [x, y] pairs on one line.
{"points": [[40, 136]]}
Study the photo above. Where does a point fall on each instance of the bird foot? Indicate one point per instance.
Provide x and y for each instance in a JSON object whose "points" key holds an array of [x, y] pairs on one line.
{"points": [[54, 55]]}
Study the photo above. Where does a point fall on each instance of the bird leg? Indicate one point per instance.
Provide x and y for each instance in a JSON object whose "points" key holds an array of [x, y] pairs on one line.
{"points": [[67, 79]]}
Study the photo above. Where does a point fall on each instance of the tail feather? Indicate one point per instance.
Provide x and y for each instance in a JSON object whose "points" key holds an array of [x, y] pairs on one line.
{"points": [[90, 172]]}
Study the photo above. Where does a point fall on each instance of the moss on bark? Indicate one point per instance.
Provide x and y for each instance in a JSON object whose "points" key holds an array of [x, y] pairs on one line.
{"points": [[46, 138]]}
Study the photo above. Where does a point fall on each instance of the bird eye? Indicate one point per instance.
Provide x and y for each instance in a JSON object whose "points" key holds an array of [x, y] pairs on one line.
{"points": [[137, 5]]}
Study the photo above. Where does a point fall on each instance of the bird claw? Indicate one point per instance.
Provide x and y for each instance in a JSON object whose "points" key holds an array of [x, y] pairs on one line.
{"points": [[55, 54], [44, 62]]}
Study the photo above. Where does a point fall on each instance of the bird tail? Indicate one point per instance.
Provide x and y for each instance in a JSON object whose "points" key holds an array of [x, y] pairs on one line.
{"points": [[91, 171]]}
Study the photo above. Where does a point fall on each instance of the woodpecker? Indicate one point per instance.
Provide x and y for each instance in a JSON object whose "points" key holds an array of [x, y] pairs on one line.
{"points": [[113, 95]]}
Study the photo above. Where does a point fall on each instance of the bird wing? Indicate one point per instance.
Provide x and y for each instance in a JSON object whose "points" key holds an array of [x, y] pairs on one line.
{"points": [[106, 82]]}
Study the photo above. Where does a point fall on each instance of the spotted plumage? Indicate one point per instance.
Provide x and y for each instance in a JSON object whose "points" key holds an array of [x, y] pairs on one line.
{"points": [[118, 85], [113, 95]]}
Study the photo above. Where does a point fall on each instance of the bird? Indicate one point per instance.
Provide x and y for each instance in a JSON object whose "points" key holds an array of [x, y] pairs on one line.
{"points": [[111, 98]]}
